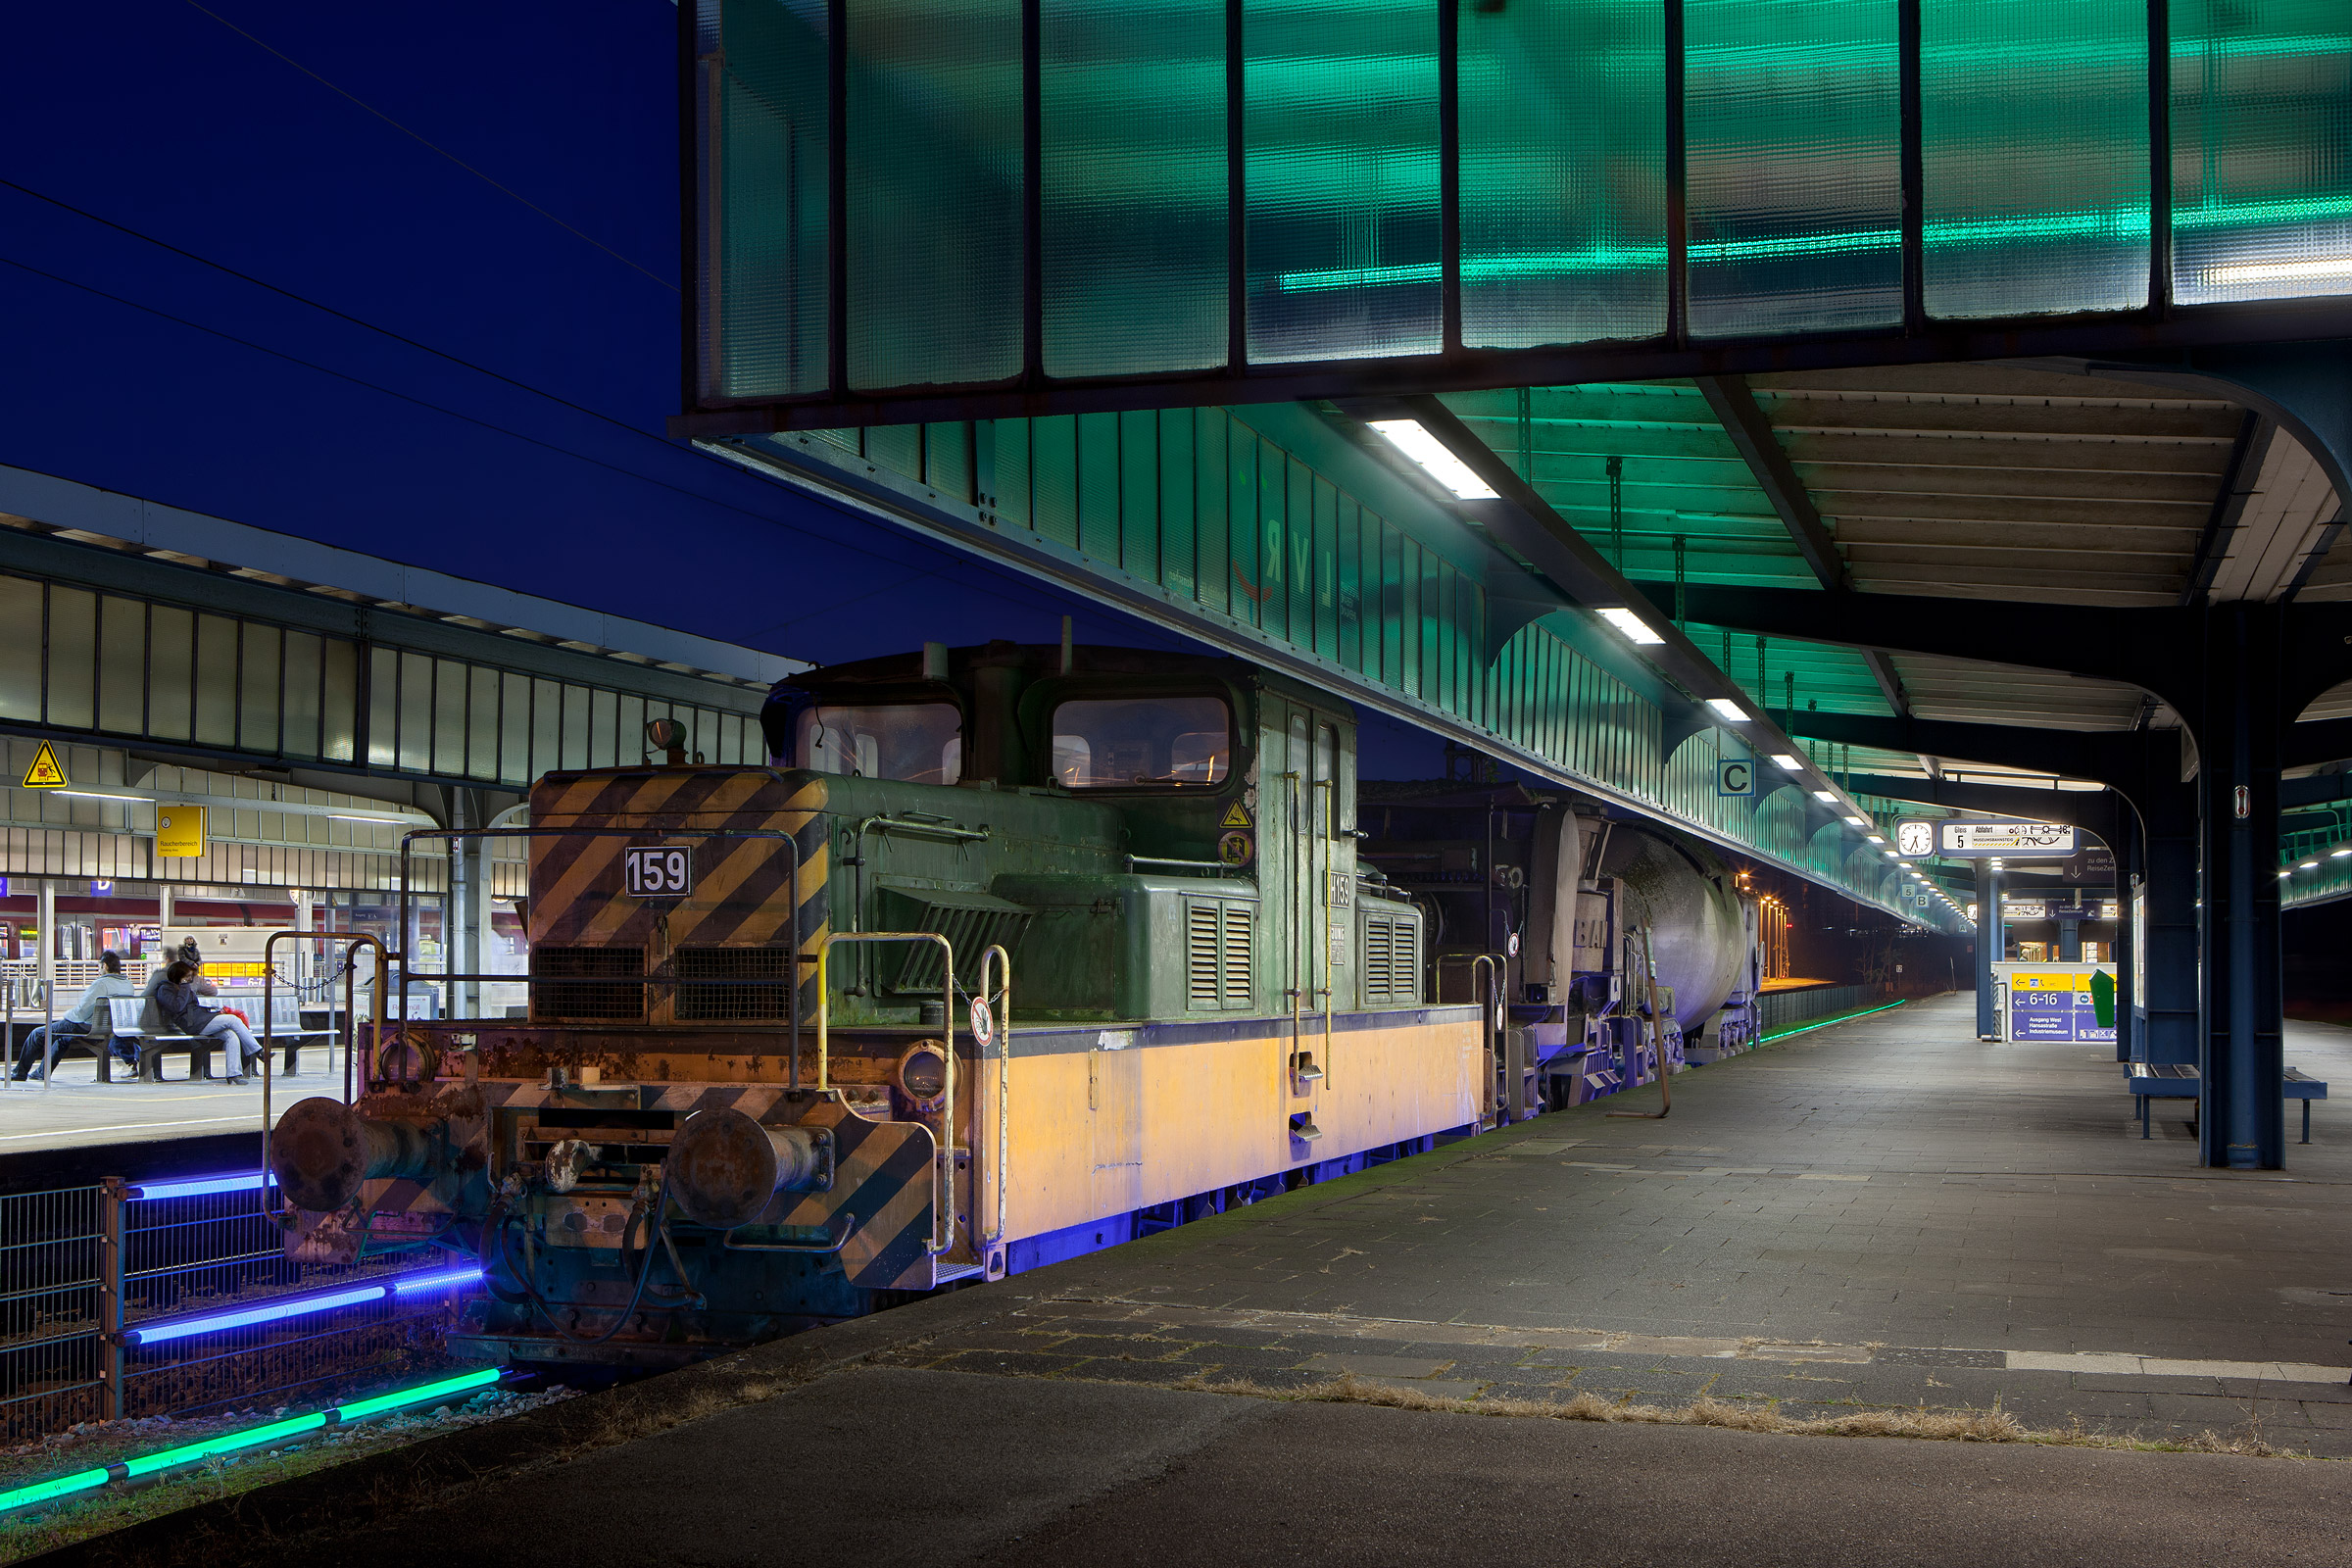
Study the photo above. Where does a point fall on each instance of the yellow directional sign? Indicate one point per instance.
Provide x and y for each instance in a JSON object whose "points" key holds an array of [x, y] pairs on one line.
{"points": [[179, 832], [45, 773]]}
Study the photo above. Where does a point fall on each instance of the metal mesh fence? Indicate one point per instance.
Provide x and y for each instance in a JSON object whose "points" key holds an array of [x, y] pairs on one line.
{"points": [[52, 1310], [79, 1264]]}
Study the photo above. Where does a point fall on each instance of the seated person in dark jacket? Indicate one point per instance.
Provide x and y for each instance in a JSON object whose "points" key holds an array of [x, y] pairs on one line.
{"points": [[183, 1012]]}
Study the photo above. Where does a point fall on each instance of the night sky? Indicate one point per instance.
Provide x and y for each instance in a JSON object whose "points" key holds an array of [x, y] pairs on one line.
{"points": [[134, 369]]}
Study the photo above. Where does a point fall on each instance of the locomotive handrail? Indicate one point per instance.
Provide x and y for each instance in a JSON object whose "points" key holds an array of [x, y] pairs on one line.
{"points": [[792, 847], [942, 1201], [1002, 1022], [849, 1228], [921, 828], [1220, 866]]}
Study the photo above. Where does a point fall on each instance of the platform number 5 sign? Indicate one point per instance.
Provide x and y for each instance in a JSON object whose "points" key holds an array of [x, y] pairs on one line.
{"points": [[658, 873]]}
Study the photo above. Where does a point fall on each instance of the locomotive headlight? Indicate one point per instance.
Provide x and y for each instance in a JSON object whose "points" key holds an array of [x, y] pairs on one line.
{"points": [[922, 1074]]}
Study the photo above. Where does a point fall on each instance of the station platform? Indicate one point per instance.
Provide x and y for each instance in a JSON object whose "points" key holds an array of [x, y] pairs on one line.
{"points": [[78, 1130], [1885, 1219]]}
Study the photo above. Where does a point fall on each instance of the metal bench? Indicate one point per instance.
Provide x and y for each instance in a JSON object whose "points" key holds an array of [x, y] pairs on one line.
{"points": [[125, 1011], [2179, 1080], [285, 1023]]}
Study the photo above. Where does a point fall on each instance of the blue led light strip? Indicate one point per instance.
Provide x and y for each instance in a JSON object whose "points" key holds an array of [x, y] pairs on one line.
{"points": [[198, 1187], [251, 1437], [161, 1330]]}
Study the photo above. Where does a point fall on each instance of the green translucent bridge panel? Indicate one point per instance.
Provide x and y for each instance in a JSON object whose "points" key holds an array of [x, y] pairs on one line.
{"points": [[768, 153], [1342, 178], [2034, 126], [1133, 189], [935, 192], [2262, 149], [1563, 172], [1793, 125]]}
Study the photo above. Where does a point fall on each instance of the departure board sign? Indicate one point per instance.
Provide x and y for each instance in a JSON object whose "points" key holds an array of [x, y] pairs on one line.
{"points": [[2025, 840]]}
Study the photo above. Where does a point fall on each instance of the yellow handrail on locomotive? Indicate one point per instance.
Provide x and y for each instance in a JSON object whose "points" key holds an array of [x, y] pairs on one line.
{"points": [[1002, 1021], [942, 1199]]}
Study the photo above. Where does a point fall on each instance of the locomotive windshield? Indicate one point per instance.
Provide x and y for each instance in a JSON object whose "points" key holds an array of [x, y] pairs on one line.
{"points": [[914, 743], [1141, 741]]}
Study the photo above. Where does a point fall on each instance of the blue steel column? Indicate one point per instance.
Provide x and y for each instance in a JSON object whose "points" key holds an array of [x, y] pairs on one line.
{"points": [[2127, 996], [2241, 1114], [2174, 1030], [2070, 942], [1989, 945]]}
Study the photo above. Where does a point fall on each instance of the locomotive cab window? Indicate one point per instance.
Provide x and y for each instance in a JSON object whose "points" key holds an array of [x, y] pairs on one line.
{"points": [[913, 742], [1142, 742]]}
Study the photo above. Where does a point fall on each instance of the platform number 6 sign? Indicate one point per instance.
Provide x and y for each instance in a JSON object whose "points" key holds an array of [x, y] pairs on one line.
{"points": [[665, 872]]}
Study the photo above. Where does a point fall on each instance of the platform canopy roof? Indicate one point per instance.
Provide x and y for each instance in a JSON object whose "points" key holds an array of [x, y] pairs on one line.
{"points": [[930, 209]]}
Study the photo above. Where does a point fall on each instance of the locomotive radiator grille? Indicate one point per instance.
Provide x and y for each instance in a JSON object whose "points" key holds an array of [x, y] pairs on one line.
{"points": [[1216, 955], [733, 985], [1391, 960], [592, 984]]}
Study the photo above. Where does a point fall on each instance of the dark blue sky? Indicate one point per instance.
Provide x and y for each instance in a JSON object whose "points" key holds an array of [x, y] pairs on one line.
{"points": [[190, 387]]}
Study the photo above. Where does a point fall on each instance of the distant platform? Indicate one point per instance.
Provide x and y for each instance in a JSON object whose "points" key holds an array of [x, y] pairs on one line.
{"points": [[80, 1116]]}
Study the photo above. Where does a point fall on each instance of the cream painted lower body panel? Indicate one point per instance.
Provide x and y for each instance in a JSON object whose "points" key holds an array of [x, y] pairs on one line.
{"points": [[1128, 1121]]}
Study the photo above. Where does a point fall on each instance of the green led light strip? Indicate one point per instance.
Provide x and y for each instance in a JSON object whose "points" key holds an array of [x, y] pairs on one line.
{"points": [[1807, 1028], [252, 1437], [2120, 225]]}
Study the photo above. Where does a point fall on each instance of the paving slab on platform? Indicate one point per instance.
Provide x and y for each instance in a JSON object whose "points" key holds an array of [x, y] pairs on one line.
{"points": [[2010, 1242]]}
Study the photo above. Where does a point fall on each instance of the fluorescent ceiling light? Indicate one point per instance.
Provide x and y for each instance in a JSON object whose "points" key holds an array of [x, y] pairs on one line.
{"points": [[1635, 630], [101, 795], [1788, 763], [2284, 876], [2338, 855], [1408, 437], [1858, 821], [354, 816], [2309, 866], [1875, 838], [1891, 855], [1728, 712], [1828, 795]]}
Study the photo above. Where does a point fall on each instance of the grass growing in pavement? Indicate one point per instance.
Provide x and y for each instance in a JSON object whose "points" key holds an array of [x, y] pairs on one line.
{"points": [[1994, 1425]]}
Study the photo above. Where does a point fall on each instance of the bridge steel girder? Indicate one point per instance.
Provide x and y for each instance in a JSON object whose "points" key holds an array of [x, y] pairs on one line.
{"points": [[2094, 812]]}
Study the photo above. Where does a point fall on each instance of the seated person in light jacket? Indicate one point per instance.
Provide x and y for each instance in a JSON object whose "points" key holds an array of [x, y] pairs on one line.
{"points": [[183, 1013], [90, 1017]]}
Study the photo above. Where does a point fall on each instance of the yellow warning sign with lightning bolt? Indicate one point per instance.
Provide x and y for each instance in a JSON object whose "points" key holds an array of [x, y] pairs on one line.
{"points": [[45, 773]]}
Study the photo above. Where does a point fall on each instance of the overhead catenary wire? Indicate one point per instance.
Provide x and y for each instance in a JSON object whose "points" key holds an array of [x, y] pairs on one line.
{"points": [[502, 188], [468, 418]]}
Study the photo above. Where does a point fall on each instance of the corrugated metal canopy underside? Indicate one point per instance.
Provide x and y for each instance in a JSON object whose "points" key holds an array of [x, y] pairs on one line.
{"points": [[1957, 482]]}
